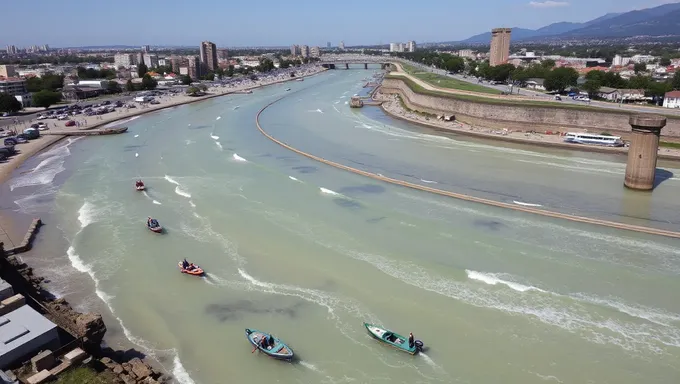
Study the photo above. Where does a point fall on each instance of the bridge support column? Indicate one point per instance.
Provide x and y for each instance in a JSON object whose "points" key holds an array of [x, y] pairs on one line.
{"points": [[365, 65], [642, 153], [346, 65]]}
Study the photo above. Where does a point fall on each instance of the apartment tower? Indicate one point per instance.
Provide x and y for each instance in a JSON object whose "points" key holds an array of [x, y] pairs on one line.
{"points": [[209, 56], [500, 46]]}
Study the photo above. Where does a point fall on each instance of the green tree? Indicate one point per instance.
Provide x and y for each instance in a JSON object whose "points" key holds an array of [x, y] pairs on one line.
{"points": [[614, 80], [665, 60], [454, 64], [9, 103], [640, 67], [595, 75], [186, 80], [149, 82], [592, 86], [560, 79], [519, 75], [113, 87], [193, 91], [52, 82], [640, 82], [657, 90], [46, 98], [219, 73], [202, 87], [676, 81], [142, 69], [548, 63], [34, 84], [230, 71], [210, 76], [130, 86]]}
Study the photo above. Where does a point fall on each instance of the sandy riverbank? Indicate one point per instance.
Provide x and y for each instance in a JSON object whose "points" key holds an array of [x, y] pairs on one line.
{"points": [[167, 101], [395, 108]]}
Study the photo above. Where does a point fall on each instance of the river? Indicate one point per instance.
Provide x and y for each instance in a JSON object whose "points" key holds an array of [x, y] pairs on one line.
{"points": [[309, 252]]}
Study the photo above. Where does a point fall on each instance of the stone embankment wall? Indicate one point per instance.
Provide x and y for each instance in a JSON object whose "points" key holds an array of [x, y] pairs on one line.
{"points": [[518, 117]]}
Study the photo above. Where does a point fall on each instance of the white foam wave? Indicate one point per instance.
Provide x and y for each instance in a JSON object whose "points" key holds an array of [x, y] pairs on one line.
{"points": [[136, 135], [493, 279], [171, 180], [293, 178], [238, 158], [179, 372], [45, 172], [189, 142], [309, 366], [156, 202], [328, 191], [428, 181], [214, 137], [192, 204], [346, 102], [76, 261], [119, 122], [526, 204], [136, 154], [182, 192], [86, 214], [654, 315], [218, 117], [219, 145]]}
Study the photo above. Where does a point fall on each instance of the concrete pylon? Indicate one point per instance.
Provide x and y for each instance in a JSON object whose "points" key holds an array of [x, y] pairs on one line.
{"points": [[642, 154]]}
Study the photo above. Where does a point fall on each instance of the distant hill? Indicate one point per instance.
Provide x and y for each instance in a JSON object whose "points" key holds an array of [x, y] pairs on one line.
{"points": [[663, 20]]}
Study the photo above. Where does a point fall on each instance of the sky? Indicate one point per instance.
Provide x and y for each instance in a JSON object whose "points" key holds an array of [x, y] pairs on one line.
{"points": [[74, 23]]}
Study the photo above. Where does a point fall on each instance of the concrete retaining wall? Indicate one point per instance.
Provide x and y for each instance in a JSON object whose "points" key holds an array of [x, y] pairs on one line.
{"points": [[523, 118]]}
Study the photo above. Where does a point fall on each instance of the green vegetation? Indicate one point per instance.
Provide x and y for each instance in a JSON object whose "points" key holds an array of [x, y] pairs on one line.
{"points": [[668, 144], [142, 69], [85, 376], [45, 98], [509, 102], [9, 103], [409, 68], [449, 82], [48, 81], [91, 73], [149, 82]]}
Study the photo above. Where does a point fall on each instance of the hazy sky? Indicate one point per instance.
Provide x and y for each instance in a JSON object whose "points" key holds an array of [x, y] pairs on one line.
{"points": [[62, 23]]}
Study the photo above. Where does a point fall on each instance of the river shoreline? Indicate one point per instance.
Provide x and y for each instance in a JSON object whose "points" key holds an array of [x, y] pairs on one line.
{"points": [[393, 107]]}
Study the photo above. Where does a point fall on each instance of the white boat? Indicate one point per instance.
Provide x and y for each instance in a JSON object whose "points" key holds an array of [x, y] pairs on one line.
{"points": [[588, 138]]}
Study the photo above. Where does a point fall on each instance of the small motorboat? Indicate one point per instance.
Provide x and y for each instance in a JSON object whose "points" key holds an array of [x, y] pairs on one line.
{"points": [[139, 185], [287, 89], [193, 269], [279, 350], [393, 339], [154, 226]]}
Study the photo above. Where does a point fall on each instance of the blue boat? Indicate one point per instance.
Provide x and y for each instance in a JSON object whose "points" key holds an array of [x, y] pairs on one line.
{"points": [[393, 339], [279, 350]]}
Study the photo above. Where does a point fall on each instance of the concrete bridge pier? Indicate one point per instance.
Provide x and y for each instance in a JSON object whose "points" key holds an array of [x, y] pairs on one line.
{"points": [[642, 154]]}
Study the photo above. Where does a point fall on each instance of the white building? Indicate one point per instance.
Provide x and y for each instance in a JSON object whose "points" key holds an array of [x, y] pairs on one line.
{"points": [[341, 46], [124, 60], [151, 61], [304, 50], [671, 99], [315, 51], [642, 58], [411, 46]]}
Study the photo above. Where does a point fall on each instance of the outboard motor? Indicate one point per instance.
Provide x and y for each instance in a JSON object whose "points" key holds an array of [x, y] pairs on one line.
{"points": [[419, 345]]}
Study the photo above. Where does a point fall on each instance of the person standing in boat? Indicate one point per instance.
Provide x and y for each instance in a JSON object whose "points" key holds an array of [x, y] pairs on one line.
{"points": [[411, 340]]}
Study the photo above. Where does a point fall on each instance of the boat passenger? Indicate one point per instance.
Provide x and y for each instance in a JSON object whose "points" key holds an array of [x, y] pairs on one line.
{"points": [[411, 340], [270, 341], [264, 342], [149, 222], [185, 264]]}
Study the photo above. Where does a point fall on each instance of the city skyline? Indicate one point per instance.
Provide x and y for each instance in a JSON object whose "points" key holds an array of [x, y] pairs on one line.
{"points": [[387, 24]]}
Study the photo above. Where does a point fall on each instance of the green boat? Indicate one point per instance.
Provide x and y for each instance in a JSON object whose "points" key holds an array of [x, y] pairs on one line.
{"points": [[393, 339]]}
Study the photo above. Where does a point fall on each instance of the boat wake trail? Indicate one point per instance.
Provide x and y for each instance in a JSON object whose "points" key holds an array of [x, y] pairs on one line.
{"points": [[152, 199], [493, 279], [428, 181], [527, 204], [329, 192], [239, 158], [293, 178], [214, 137], [178, 188], [219, 145]]}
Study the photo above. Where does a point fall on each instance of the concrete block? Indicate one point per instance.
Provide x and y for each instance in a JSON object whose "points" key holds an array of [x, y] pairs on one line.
{"points": [[39, 377], [43, 361], [6, 290], [75, 356], [56, 371], [10, 304]]}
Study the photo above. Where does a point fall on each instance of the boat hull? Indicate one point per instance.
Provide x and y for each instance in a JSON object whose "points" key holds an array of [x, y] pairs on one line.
{"points": [[392, 339], [279, 351], [140, 188], [198, 271], [157, 229]]}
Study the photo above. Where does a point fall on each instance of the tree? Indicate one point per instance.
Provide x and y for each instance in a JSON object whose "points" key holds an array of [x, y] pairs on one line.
{"points": [[640, 67], [149, 82], [219, 73], [9, 103], [230, 71], [203, 87], [500, 72], [52, 82], [46, 98], [639, 82], [519, 75], [676, 81], [454, 64], [665, 60], [34, 84], [129, 86], [186, 80], [193, 91], [560, 78], [113, 87], [142, 69], [548, 63], [592, 86]]}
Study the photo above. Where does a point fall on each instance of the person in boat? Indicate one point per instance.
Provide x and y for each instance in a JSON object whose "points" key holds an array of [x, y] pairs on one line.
{"points": [[139, 183], [411, 340], [149, 221], [185, 264], [264, 341], [270, 341]]}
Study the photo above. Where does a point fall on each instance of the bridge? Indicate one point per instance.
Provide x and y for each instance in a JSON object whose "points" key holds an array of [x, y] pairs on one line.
{"points": [[334, 62]]}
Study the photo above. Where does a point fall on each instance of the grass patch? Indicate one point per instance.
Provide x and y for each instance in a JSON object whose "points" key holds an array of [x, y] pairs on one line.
{"points": [[667, 144], [509, 102], [408, 68], [448, 82], [84, 375]]}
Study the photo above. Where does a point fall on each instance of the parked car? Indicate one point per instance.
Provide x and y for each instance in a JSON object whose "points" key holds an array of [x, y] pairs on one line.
{"points": [[42, 126], [10, 141], [2, 157], [62, 117], [42, 117], [558, 98], [70, 123], [32, 133]]}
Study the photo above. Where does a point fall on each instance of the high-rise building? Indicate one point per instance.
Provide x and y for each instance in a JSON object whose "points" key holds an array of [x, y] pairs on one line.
{"points": [[176, 62], [7, 71], [393, 47], [304, 51], [11, 50], [341, 46], [315, 52], [151, 61], [45, 47], [294, 50], [328, 45], [194, 67], [222, 54], [208, 56], [145, 48], [124, 60], [500, 46], [411, 46]]}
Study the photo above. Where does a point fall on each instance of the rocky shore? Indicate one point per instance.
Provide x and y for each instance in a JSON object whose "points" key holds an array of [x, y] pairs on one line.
{"points": [[88, 329]]}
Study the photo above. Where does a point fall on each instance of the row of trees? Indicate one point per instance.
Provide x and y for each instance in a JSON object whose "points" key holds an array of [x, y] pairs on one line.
{"points": [[91, 73], [55, 60], [48, 81]]}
